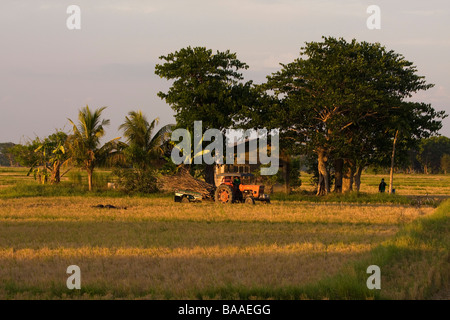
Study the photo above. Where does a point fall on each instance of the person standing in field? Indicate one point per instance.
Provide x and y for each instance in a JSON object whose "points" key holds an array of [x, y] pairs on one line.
{"points": [[382, 186], [236, 184]]}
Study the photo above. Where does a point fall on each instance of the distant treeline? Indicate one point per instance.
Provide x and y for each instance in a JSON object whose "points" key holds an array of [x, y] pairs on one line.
{"points": [[6, 158], [431, 157]]}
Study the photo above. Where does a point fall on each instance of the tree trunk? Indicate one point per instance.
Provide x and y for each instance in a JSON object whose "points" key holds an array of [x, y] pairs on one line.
{"points": [[391, 176], [10, 158], [338, 168], [324, 185], [90, 173], [44, 176], [209, 173], [349, 172], [56, 176], [358, 177], [286, 175]]}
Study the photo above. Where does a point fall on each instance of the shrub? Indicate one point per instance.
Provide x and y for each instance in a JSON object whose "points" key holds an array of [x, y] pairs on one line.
{"points": [[136, 180]]}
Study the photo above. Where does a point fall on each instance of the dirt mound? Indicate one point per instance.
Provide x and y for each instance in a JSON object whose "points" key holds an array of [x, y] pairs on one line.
{"points": [[182, 180]]}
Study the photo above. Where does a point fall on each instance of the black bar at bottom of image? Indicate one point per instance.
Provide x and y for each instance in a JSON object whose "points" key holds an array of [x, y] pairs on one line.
{"points": [[219, 309]]}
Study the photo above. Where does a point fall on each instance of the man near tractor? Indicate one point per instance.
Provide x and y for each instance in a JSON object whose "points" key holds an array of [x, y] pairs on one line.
{"points": [[237, 192], [382, 186]]}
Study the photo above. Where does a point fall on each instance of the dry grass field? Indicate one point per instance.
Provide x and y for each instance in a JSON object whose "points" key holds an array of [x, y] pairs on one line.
{"points": [[153, 248], [159, 249]]}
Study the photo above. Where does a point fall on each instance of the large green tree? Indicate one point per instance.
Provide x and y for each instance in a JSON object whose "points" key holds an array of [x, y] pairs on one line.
{"points": [[430, 152], [409, 124], [345, 101], [6, 157], [445, 163], [24, 154], [84, 143], [206, 87]]}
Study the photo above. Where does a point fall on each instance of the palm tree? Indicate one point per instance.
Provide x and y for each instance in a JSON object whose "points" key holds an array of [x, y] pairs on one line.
{"points": [[144, 147], [85, 141]]}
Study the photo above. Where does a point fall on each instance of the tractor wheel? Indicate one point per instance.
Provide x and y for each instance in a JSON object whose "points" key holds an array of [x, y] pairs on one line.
{"points": [[249, 200], [224, 194], [185, 200]]}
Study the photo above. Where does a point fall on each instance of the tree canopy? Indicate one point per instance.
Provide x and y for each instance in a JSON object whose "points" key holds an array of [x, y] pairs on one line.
{"points": [[430, 153], [6, 156], [206, 86], [345, 101]]}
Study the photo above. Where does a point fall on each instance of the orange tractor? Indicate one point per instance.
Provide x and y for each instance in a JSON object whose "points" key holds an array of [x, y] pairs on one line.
{"points": [[230, 192]]}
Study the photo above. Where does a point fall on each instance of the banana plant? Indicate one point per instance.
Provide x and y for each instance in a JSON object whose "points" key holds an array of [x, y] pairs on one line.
{"points": [[51, 156]]}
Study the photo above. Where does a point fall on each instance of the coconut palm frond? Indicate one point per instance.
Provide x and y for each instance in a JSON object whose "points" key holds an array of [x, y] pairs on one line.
{"points": [[140, 136]]}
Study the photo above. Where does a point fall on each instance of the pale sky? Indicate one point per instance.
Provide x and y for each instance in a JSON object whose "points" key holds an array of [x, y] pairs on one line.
{"points": [[48, 72]]}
